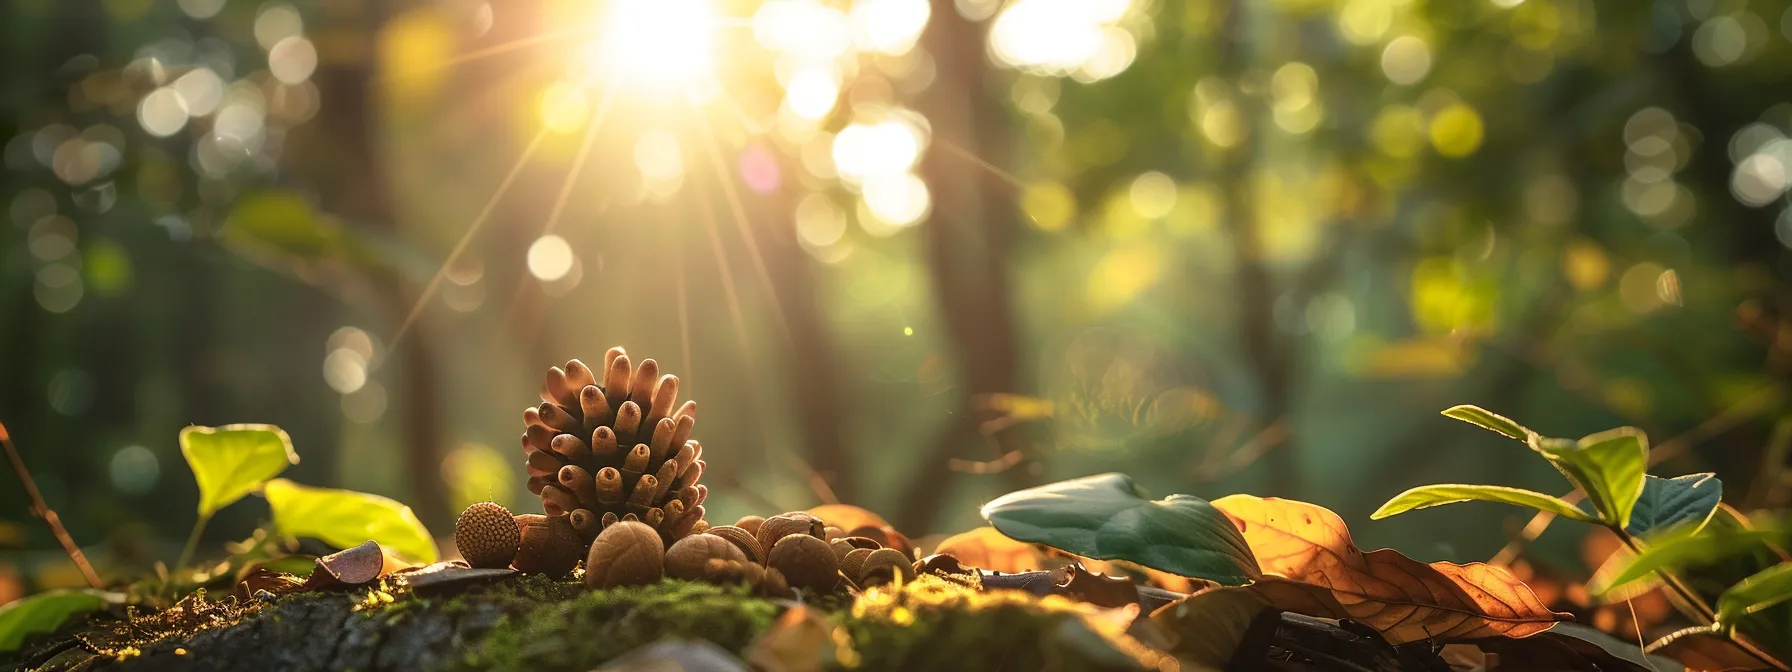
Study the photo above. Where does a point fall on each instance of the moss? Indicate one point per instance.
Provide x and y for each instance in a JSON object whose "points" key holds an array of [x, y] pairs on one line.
{"points": [[593, 627], [930, 624]]}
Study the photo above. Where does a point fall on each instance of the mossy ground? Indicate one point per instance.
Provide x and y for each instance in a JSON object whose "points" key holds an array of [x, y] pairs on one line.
{"points": [[535, 623]]}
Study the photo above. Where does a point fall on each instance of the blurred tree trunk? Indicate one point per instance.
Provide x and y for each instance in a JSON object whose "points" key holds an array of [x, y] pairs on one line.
{"points": [[343, 155], [1268, 351], [815, 370], [968, 240]]}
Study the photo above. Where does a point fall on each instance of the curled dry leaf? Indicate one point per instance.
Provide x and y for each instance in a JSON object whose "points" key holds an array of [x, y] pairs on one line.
{"points": [[1407, 600], [348, 567], [985, 548]]}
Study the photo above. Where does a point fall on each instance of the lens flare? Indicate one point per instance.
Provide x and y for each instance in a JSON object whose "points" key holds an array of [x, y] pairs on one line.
{"points": [[657, 41]]}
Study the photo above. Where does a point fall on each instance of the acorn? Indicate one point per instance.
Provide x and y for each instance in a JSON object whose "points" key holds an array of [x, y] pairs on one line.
{"points": [[742, 540], [805, 561], [549, 545], [779, 526], [853, 561], [882, 566], [487, 536], [750, 524], [613, 442], [766, 582], [628, 553], [689, 558], [845, 545]]}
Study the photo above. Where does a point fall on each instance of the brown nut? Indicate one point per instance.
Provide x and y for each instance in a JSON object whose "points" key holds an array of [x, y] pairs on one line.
{"points": [[881, 567], [749, 523], [778, 527], [830, 533], [853, 561], [886, 537], [628, 553], [549, 545], [806, 562], [487, 536], [742, 540], [689, 558]]}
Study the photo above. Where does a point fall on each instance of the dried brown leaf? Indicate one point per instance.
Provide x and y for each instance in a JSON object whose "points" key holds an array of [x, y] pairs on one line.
{"points": [[1405, 599]]}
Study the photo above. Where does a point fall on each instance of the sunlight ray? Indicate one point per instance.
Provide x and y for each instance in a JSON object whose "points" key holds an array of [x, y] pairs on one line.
{"points": [[460, 247], [580, 158], [740, 219], [715, 245], [747, 121], [684, 317], [966, 154], [487, 52]]}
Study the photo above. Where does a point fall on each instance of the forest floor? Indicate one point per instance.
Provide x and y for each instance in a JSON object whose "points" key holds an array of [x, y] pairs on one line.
{"points": [[537, 623]]}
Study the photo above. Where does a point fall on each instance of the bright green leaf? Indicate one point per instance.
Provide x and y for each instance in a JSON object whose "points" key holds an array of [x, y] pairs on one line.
{"points": [[1674, 502], [234, 460], [1424, 497], [1106, 517], [47, 611], [1485, 419], [1769, 587], [345, 518], [1608, 467], [1686, 549]]}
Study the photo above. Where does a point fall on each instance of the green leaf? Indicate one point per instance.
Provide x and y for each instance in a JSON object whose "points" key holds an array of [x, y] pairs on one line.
{"points": [[1608, 467], [1766, 588], [1106, 517], [1485, 419], [1427, 496], [345, 518], [47, 611], [1675, 502], [234, 460], [1686, 549], [1626, 651]]}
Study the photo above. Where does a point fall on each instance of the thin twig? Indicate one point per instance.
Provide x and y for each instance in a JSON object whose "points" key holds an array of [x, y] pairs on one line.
{"points": [[42, 509]]}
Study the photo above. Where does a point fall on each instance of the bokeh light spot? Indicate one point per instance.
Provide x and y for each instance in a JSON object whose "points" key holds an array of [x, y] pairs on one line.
{"points": [[550, 258]]}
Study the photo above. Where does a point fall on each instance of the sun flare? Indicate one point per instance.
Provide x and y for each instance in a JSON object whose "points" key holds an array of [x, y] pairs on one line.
{"points": [[659, 42]]}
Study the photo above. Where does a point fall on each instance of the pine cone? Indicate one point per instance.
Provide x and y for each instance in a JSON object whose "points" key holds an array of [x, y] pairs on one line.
{"points": [[615, 451]]}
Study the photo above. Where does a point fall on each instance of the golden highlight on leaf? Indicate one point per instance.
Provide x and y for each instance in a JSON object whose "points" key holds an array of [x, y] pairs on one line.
{"points": [[1485, 419], [1405, 599], [1427, 496]]}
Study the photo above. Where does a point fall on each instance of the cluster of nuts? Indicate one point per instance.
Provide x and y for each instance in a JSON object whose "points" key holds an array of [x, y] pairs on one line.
{"points": [[616, 469], [778, 555], [790, 552]]}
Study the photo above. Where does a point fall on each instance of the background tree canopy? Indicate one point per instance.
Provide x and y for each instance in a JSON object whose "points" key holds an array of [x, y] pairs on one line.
{"points": [[906, 254]]}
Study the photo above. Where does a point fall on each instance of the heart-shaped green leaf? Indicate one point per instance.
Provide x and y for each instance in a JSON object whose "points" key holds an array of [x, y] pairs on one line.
{"points": [[1424, 497], [1685, 547], [1485, 419], [345, 518], [1674, 503], [47, 611], [234, 460], [1608, 467], [1106, 517], [1766, 588]]}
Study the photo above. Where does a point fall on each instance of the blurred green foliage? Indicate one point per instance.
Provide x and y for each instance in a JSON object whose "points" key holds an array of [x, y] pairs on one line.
{"points": [[1252, 248]]}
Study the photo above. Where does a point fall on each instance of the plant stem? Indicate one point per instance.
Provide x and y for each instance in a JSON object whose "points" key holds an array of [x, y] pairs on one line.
{"points": [[1701, 612], [42, 509], [186, 553]]}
